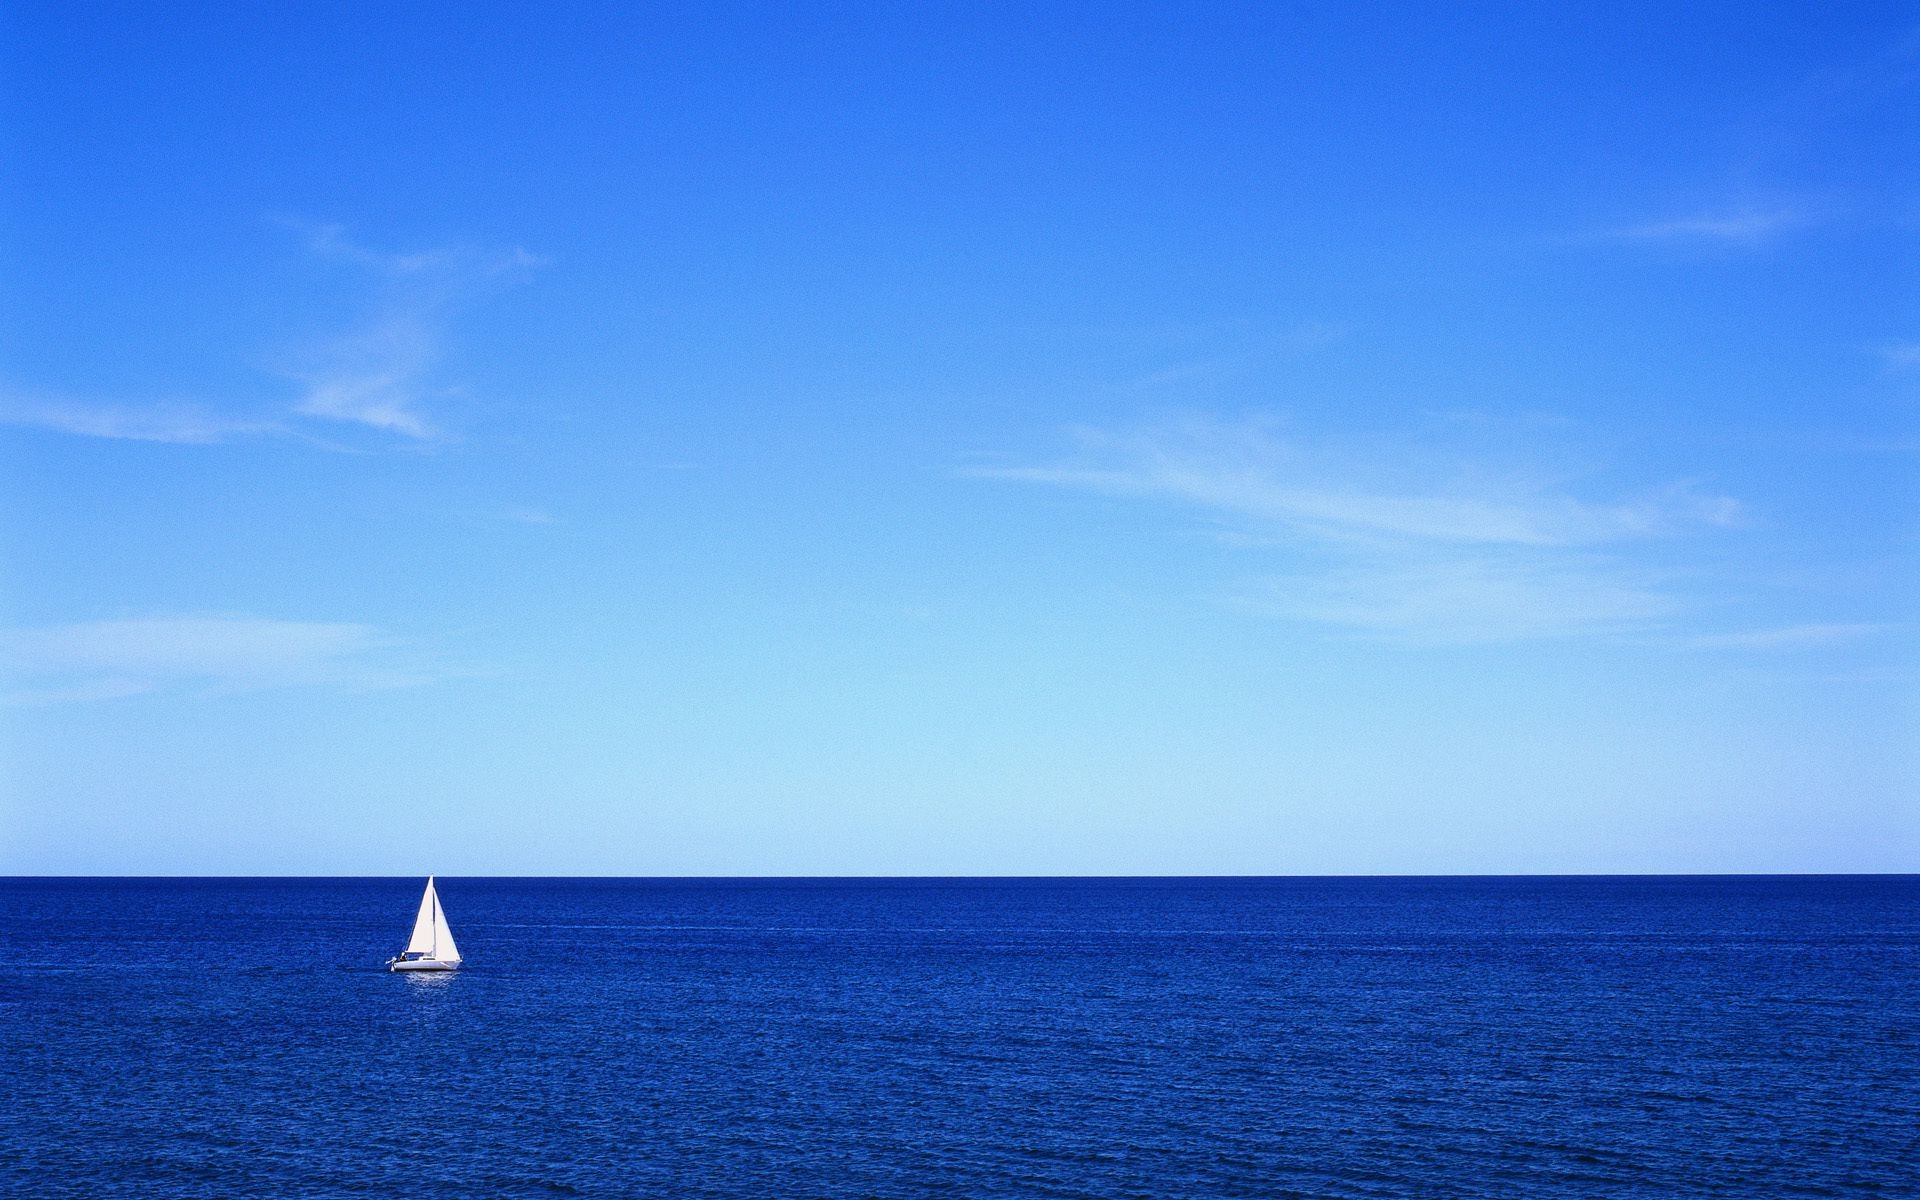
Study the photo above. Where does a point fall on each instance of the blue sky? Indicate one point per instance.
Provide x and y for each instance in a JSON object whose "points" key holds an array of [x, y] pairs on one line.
{"points": [[920, 439]]}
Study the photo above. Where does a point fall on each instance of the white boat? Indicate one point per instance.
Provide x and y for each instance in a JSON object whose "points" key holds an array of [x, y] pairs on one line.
{"points": [[431, 947]]}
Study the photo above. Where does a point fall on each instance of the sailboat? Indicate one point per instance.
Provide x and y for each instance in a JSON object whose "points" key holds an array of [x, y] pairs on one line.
{"points": [[431, 947]]}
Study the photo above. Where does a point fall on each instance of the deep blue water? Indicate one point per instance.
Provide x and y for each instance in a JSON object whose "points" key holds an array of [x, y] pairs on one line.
{"points": [[1652, 1037]]}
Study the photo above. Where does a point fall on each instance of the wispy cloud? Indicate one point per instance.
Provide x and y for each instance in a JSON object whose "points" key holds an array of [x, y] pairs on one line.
{"points": [[1900, 356], [1247, 470], [92, 660], [1397, 542], [1471, 599], [181, 424], [1735, 225], [1792, 637], [443, 269], [379, 372], [1216, 352], [1351, 512], [375, 378], [377, 368]]}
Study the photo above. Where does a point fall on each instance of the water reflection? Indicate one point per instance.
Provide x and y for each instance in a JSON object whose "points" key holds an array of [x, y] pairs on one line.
{"points": [[431, 981]]}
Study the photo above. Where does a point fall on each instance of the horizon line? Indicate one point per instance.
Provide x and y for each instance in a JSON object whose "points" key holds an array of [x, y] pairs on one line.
{"points": [[1089, 877]]}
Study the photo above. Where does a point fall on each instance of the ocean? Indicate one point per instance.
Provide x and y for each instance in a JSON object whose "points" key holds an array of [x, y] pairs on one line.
{"points": [[1345, 1037]]}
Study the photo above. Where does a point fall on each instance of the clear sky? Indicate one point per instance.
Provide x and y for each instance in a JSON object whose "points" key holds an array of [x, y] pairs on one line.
{"points": [[1280, 438]]}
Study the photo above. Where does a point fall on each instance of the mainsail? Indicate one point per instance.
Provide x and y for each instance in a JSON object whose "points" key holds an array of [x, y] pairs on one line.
{"points": [[431, 936]]}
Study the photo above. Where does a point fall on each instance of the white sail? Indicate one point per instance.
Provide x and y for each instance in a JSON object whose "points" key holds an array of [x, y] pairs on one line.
{"points": [[431, 947], [444, 949], [427, 924]]}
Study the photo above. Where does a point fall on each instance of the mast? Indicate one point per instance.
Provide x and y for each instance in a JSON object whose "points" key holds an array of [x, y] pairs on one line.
{"points": [[425, 939]]}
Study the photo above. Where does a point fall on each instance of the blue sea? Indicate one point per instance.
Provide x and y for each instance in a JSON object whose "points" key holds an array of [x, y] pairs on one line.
{"points": [[1420, 1038]]}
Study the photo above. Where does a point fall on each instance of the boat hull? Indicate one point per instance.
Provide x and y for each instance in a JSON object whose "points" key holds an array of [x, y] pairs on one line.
{"points": [[424, 964]]}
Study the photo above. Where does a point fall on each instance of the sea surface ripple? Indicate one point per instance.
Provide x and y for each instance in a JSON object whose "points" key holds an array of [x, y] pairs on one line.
{"points": [[1154, 1038]]}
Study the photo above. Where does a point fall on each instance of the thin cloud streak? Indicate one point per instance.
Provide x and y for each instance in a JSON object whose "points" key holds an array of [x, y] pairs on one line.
{"points": [[180, 425], [94, 660], [1744, 225], [1241, 470], [374, 379], [377, 375], [1539, 521], [1900, 356], [1792, 637], [1470, 600], [1239, 347], [444, 266], [383, 402], [1476, 559]]}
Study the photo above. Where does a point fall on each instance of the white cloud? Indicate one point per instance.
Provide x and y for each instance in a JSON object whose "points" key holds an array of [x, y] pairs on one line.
{"points": [[374, 378], [1243, 470], [1240, 345], [1473, 599], [378, 374], [1739, 225], [384, 402], [92, 660], [1792, 637], [1901, 356], [96, 689], [455, 265], [174, 423], [1397, 541]]}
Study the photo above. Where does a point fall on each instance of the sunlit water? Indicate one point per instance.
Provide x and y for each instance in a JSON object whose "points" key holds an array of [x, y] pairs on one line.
{"points": [[977, 1038]]}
